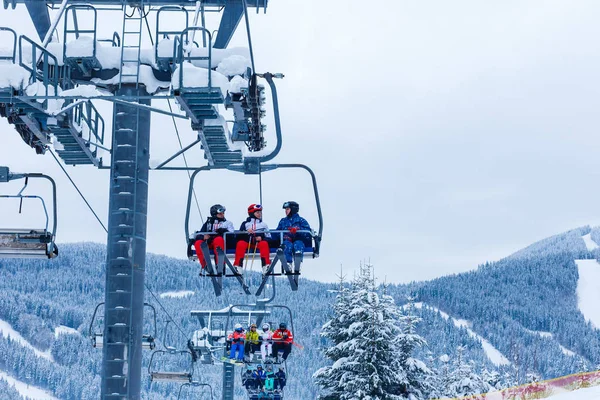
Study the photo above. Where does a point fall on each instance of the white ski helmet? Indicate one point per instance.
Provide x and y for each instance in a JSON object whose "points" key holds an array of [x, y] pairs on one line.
{"points": [[238, 326], [266, 326]]}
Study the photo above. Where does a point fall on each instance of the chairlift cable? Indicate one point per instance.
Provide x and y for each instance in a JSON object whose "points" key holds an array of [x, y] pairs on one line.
{"points": [[78, 191], [166, 312], [185, 159]]}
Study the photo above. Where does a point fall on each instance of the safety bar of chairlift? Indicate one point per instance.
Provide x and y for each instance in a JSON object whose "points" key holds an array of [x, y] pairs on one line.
{"points": [[76, 29], [281, 234], [14, 47], [181, 58], [19, 196], [166, 33], [195, 384], [266, 167]]}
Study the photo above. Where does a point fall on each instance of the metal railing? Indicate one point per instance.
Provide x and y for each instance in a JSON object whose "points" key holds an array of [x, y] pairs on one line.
{"points": [[48, 74], [85, 114], [181, 48], [10, 58], [165, 34]]}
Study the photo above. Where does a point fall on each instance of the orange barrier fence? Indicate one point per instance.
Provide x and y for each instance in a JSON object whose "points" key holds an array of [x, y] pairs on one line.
{"points": [[542, 389]]}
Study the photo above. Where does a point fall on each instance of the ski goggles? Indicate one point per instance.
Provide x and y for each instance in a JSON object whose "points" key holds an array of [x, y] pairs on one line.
{"points": [[287, 205], [220, 210]]}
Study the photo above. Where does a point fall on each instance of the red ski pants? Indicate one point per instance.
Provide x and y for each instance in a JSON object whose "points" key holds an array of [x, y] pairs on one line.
{"points": [[217, 242], [242, 247]]}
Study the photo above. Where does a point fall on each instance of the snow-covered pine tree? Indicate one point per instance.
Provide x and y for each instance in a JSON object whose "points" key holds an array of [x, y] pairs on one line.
{"points": [[366, 349], [462, 381], [418, 376], [336, 330]]}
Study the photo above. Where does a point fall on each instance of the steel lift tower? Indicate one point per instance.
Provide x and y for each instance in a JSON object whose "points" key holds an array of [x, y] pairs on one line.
{"points": [[42, 127]]}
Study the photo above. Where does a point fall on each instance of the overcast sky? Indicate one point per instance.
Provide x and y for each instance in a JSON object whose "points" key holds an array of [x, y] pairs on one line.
{"points": [[443, 134]]}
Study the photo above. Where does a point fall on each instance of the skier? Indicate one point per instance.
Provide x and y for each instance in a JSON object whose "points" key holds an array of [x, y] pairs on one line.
{"points": [[267, 341], [259, 375], [282, 341], [237, 338], [258, 238], [248, 380], [252, 341], [219, 225], [280, 379], [264, 395], [269, 379], [293, 222]]}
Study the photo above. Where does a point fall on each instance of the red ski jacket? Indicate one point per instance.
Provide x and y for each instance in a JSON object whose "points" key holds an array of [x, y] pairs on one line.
{"points": [[237, 337], [283, 336]]}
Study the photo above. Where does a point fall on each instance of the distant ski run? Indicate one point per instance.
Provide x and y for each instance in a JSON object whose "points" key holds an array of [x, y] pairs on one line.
{"points": [[589, 243], [588, 290], [492, 353], [7, 330], [26, 390]]}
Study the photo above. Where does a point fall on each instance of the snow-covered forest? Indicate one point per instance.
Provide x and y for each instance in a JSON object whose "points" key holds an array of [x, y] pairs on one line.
{"points": [[508, 322]]}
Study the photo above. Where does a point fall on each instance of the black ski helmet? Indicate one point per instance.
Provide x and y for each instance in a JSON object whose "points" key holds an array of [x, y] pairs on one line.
{"points": [[283, 325], [217, 208], [293, 206]]}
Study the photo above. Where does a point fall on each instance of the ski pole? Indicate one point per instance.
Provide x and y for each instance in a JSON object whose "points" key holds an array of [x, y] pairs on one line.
{"points": [[253, 254]]}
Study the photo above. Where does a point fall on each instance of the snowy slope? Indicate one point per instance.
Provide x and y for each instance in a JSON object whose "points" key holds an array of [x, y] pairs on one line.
{"points": [[592, 393], [7, 330], [177, 295], [589, 243], [492, 353], [26, 390], [588, 290]]}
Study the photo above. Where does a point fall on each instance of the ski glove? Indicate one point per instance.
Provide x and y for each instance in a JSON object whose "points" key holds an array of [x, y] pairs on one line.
{"points": [[221, 231]]}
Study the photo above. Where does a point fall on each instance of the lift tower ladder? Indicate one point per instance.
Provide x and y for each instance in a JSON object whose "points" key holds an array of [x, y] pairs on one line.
{"points": [[131, 46]]}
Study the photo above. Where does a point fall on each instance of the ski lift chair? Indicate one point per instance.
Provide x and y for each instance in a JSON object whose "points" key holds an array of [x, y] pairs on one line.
{"points": [[195, 384], [311, 244], [170, 376], [29, 243], [97, 338]]}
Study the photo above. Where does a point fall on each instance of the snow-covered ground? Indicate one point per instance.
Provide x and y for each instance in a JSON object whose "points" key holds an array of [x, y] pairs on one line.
{"points": [[589, 243], [7, 330], [178, 295], [64, 330], [592, 393], [492, 353], [588, 290], [25, 390]]}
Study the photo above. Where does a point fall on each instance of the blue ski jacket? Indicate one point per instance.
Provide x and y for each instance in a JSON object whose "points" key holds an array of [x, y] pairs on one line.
{"points": [[296, 221]]}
